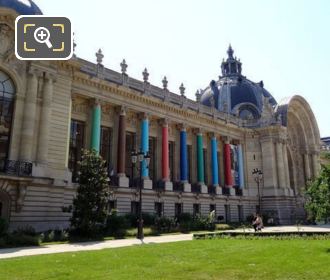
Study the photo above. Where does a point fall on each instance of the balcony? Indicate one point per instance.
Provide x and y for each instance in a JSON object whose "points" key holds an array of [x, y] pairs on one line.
{"points": [[18, 168], [159, 185], [238, 191], [135, 183]]}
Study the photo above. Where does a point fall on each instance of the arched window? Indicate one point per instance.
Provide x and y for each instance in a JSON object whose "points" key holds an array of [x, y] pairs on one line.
{"points": [[7, 94]]}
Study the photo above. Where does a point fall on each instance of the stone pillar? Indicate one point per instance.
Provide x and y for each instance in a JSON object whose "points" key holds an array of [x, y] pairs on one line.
{"points": [[228, 175], [144, 145], [45, 116], [316, 164], [215, 165], [280, 165], [96, 127], [268, 165], [240, 166], [29, 117], [286, 165], [307, 167]]}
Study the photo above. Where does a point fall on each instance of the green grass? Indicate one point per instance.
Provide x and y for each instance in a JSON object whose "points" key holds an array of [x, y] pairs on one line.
{"points": [[200, 259]]}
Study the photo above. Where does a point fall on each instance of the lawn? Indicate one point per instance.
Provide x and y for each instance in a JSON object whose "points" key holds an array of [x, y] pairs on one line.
{"points": [[200, 259]]}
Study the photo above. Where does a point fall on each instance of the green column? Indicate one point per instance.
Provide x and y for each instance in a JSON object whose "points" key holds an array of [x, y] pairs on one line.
{"points": [[200, 159], [96, 128]]}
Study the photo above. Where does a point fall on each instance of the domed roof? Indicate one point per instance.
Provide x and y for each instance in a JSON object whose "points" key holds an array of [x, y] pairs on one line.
{"points": [[22, 7], [235, 94]]}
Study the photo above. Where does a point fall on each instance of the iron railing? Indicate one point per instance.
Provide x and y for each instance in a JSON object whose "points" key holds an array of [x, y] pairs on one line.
{"points": [[18, 168], [178, 186]]}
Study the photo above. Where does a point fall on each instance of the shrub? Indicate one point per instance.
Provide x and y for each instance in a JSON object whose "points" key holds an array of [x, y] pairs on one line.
{"points": [[3, 227], [20, 239], [54, 235], [185, 221], [164, 224], [116, 225], [148, 219], [25, 230]]}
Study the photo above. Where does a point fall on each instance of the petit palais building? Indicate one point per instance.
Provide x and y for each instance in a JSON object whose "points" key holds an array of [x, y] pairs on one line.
{"points": [[202, 152]]}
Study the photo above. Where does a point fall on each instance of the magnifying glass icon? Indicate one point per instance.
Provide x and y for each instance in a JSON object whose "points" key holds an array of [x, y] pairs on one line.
{"points": [[42, 35]]}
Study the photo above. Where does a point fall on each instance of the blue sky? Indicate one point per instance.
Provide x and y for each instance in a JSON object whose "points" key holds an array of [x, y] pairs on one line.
{"points": [[284, 43]]}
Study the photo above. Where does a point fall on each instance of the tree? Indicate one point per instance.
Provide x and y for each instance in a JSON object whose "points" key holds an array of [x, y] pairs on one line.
{"points": [[90, 204], [318, 196]]}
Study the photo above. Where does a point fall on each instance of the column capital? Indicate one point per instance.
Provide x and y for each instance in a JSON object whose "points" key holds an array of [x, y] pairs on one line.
{"points": [[164, 122], [143, 116], [121, 110], [182, 126], [34, 72], [198, 130], [51, 77], [226, 139]]}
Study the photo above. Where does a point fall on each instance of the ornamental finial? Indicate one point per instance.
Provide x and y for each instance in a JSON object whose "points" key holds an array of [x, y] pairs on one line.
{"points": [[99, 57], [145, 75], [230, 51], [165, 82], [182, 89], [123, 66]]}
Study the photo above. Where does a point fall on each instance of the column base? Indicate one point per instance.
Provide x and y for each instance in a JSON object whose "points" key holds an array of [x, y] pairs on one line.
{"points": [[186, 187], [204, 188], [168, 186], [123, 181], [147, 184], [232, 191], [218, 190]]}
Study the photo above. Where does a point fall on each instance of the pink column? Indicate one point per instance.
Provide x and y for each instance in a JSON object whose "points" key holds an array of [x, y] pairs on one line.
{"points": [[228, 175], [165, 153]]}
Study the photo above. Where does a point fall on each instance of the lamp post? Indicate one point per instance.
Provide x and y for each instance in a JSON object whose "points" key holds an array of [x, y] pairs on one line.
{"points": [[257, 175], [139, 158]]}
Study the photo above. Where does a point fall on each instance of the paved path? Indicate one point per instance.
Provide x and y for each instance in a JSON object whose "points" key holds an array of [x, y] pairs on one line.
{"points": [[89, 246], [99, 245]]}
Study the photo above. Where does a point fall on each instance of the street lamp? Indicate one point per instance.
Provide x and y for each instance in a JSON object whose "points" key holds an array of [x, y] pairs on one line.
{"points": [[139, 158], [257, 176]]}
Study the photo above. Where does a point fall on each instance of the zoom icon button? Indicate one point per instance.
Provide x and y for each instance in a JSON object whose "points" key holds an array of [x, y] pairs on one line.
{"points": [[43, 38]]}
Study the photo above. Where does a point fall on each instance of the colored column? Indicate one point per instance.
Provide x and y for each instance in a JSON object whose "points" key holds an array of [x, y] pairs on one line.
{"points": [[144, 146], [183, 156], [121, 144], [228, 175], [215, 166], [200, 159], [165, 153], [96, 128], [240, 166]]}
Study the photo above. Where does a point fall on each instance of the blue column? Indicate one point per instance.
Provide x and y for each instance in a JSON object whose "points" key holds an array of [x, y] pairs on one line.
{"points": [[144, 145], [215, 166], [96, 128], [183, 156], [240, 166]]}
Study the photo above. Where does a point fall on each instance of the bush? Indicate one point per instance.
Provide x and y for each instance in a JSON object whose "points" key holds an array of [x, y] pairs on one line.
{"points": [[25, 230], [3, 227], [54, 235], [117, 225], [187, 222], [164, 225], [19, 239], [148, 219]]}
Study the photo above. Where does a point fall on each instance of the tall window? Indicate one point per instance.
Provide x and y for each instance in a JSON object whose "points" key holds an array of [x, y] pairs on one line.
{"points": [[135, 207], [76, 144], [7, 93], [130, 147], [152, 165], [159, 207], [171, 147], [189, 157], [206, 178], [178, 209], [227, 213], [196, 209], [105, 147], [240, 213]]}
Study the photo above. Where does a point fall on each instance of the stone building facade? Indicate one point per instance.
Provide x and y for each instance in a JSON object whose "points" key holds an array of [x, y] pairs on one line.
{"points": [[202, 151]]}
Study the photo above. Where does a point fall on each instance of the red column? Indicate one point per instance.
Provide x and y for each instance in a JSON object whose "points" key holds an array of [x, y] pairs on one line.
{"points": [[165, 153], [228, 175]]}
